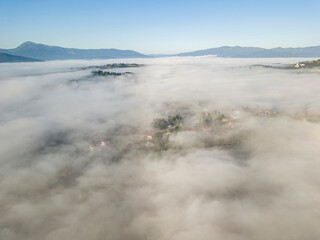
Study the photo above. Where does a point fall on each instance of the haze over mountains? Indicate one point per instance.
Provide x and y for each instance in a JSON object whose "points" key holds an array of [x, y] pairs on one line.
{"points": [[45, 52]]}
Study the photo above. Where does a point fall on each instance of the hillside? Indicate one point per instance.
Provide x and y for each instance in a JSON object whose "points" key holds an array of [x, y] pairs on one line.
{"points": [[254, 52], [45, 52], [4, 57]]}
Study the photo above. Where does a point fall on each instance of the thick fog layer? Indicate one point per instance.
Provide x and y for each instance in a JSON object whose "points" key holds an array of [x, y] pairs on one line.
{"points": [[253, 174]]}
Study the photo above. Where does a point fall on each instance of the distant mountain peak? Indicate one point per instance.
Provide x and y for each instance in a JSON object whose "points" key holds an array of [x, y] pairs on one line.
{"points": [[27, 43]]}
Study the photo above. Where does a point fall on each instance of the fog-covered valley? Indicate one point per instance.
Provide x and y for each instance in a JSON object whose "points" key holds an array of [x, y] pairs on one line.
{"points": [[183, 148]]}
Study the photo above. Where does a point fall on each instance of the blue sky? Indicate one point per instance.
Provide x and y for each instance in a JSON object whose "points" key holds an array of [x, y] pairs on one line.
{"points": [[160, 26]]}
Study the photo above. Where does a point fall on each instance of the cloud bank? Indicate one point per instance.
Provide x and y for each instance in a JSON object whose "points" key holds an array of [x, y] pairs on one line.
{"points": [[53, 187]]}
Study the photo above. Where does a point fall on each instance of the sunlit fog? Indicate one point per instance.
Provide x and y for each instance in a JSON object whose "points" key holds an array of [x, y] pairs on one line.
{"points": [[178, 148]]}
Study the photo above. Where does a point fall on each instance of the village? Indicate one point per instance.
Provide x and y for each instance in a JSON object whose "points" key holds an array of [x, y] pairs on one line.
{"points": [[217, 129], [306, 64], [297, 65], [158, 136]]}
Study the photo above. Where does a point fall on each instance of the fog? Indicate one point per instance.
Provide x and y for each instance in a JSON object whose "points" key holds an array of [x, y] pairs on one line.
{"points": [[256, 178]]}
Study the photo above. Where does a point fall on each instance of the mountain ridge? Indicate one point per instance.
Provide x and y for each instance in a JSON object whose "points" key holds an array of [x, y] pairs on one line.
{"points": [[256, 52], [44, 52]]}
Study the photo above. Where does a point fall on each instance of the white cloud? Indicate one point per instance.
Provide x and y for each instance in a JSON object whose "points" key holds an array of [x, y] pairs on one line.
{"points": [[52, 187]]}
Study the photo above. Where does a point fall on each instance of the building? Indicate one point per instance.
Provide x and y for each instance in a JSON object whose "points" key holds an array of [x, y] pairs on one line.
{"points": [[150, 135]]}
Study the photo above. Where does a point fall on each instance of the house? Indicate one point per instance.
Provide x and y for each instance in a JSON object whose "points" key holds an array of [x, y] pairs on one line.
{"points": [[104, 142], [299, 65], [150, 135]]}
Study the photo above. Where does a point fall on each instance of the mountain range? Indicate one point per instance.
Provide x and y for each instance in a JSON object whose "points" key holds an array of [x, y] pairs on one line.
{"points": [[30, 51], [255, 52], [45, 52]]}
